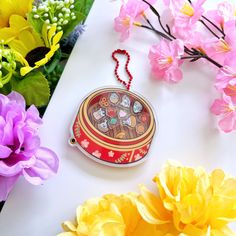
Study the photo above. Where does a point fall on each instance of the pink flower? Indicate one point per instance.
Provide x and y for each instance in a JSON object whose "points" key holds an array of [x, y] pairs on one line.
{"points": [[227, 108], [225, 12], [227, 74], [230, 91], [129, 13], [165, 60], [20, 151], [186, 16], [220, 48]]}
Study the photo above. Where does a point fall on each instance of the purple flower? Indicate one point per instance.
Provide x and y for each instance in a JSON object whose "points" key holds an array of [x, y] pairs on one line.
{"points": [[20, 151]]}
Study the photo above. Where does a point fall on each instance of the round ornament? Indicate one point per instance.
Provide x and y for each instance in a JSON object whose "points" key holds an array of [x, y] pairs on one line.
{"points": [[114, 126]]}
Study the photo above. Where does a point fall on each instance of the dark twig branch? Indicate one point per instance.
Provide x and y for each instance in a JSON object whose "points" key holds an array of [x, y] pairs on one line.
{"points": [[193, 53], [203, 22]]}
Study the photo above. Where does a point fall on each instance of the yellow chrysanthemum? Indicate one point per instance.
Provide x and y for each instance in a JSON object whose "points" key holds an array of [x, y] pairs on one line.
{"points": [[22, 38], [196, 202], [108, 216], [10, 7]]}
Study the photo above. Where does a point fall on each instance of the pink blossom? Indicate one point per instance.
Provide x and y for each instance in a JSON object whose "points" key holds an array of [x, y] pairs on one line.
{"points": [[227, 74], [219, 49], [165, 60], [186, 16], [225, 12], [128, 15], [20, 150], [230, 91], [225, 107]]}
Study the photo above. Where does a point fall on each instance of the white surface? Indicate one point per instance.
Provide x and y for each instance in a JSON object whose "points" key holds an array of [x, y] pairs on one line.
{"points": [[187, 131]]}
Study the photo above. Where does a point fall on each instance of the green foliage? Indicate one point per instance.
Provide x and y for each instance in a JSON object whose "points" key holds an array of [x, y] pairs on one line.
{"points": [[34, 87], [37, 24]]}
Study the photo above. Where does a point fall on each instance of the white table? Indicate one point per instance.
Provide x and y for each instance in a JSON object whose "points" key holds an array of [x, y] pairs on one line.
{"points": [[187, 130]]}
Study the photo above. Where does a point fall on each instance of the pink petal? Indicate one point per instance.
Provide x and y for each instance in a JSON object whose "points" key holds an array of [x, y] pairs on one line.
{"points": [[218, 107], [6, 185], [227, 124], [46, 165], [174, 75]]}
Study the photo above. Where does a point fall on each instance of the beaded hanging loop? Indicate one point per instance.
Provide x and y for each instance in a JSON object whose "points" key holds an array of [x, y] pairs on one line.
{"points": [[122, 52]]}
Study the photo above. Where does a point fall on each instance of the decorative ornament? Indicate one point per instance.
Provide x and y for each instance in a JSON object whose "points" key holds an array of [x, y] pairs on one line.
{"points": [[116, 125]]}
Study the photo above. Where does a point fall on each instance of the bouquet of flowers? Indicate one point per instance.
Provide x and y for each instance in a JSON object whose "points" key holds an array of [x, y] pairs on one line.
{"points": [[187, 202], [192, 34], [36, 38]]}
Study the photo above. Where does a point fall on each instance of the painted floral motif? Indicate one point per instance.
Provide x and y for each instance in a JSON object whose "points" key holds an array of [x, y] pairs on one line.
{"points": [[111, 154], [137, 157], [97, 154], [85, 143]]}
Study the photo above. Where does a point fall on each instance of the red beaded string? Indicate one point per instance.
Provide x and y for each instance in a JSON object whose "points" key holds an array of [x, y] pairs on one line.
{"points": [[122, 52]]}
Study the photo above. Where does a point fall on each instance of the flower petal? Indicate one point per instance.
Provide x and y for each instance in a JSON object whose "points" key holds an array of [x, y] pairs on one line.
{"points": [[6, 185], [4, 152], [227, 124], [45, 166]]}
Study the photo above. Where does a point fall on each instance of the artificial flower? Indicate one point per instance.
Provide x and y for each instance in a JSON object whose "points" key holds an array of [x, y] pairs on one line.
{"points": [[23, 39], [110, 215], [165, 59], [226, 107], [128, 15], [191, 195], [10, 7], [8, 64], [186, 16], [20, 151], [220, 48], [60, 12], [225, 12], [227, 74], [230, 91]]}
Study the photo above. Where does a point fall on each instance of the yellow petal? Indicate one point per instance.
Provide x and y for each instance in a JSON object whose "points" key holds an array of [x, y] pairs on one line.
{"points": [[8, 34], [69, 226], [25, 70], [10, 7], [28, 40], [18, 22], [51, 33], [57, 37], [45, 35], [67, 234], [18, 46]]}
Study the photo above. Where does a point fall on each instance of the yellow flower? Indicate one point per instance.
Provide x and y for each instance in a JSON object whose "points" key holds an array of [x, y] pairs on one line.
{"points": [[199, 203], [110, 215], [10, 7], [22, 38]]}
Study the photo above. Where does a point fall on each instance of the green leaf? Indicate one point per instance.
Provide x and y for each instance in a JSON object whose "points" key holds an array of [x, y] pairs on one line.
{"points": [[87, 4], [6, 89], [37, 24], [34, 87], [80, 16]]}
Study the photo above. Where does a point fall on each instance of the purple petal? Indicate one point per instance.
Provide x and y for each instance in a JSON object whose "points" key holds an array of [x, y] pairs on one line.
{"points": [[6, 185], [7, 136], [18, 98], [5, 151], [15, 164], [32, 116], [46, 165]]}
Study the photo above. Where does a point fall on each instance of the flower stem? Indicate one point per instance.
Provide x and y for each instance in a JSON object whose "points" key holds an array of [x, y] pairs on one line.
{"points": [[192, 53], [204, 23], [167, 31], [213, 24], [212, 61]]}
